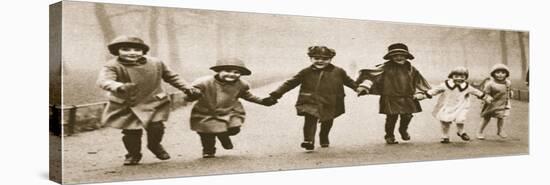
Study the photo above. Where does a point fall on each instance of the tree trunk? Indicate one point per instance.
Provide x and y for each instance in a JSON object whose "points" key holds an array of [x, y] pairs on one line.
{"points": [[153, 36], [504, 48], [173, 44], [105, 24], [522, 51]]}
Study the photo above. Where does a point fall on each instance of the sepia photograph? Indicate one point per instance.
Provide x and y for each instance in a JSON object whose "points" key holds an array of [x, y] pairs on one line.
{"points": [[147, 92]]}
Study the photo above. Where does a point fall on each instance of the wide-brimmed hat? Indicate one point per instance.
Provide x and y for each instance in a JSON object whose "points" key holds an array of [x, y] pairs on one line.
{"points": [[125, 40], [231, 63], [320, 51], [500, 67], [459, 71], [398, 49]]}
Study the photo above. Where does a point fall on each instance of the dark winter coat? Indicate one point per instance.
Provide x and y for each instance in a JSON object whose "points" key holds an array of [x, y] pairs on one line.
{"points": [[396, 84], [321, 91]]}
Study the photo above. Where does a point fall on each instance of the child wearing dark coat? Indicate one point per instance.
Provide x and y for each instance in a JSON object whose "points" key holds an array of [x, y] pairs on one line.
{"points": [[321, 97], [399, 85]]}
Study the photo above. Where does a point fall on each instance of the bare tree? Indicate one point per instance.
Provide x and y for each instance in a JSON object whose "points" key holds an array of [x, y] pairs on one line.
{"points": [[522, 51], [153, 27], [503, 48], [104, 23], [173, 44]]}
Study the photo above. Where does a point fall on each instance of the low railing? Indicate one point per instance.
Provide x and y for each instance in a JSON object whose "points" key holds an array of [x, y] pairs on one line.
{"points": [[86, 117]]}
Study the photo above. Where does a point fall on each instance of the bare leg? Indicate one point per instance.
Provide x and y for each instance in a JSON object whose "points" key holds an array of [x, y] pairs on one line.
{"points": [[460, 132], [500, 128], [445, 127], [482, 126], [460, 128]]}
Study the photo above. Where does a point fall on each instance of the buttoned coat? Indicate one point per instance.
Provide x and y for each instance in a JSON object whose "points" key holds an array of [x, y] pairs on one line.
{"points": [[219, 107], [321, 91], [147, 103]]}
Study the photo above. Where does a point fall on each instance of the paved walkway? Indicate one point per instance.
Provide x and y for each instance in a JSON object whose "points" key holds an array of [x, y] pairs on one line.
{"points": [[270, 141]]}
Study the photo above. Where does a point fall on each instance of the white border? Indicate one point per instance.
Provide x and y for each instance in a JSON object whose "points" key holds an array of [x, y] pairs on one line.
{"points": [[24, 156]]}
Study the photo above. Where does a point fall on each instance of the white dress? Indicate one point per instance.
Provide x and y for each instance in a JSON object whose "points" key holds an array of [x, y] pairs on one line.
{"points": [[454, 102]]}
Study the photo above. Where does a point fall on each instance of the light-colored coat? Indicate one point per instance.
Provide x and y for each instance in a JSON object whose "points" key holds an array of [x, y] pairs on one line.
{"points": [[219, 107], [149, 103], [454, 102], [501, 92]]}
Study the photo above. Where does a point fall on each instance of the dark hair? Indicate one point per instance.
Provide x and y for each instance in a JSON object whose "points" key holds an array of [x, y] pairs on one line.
{"points": [[503, 70], [115, 47]]}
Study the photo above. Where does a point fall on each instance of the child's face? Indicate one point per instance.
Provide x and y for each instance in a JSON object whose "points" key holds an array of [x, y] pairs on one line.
{"points": [[458, 78], [400, 59], [320, 62], [130, 53], [229, 75], [500, 75]]}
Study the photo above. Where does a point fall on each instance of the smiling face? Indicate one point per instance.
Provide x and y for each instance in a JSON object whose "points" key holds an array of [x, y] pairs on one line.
{"points": [[229, 75], [500, 75], [130, 53], [398, 58], [458, 78], [320, 62]]}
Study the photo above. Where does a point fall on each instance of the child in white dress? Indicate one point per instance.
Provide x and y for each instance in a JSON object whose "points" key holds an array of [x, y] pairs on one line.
{"points": [[454, 103]]}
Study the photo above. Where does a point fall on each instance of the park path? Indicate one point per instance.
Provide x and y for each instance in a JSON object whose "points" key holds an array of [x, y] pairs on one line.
{"points": [[270, 138]]}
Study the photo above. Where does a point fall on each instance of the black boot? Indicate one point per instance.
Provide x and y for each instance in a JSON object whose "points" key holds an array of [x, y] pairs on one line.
{"points": [[225, 140], [132, 143], [404, 126], [391, 120], [208, 142], [155, 132], [323, 134]]}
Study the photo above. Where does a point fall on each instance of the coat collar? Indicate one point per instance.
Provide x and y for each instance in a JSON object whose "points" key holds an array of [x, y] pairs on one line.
{"points": [[451, 85], [140, 61], [329, 67]]}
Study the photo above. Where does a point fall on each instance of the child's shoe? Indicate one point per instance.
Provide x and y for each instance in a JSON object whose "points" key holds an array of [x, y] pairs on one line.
{"points": [[445, 141], [132, 159], [159, 152], [308, 145], [390, 140], [502, 134], [464, 136], [326, 145], [207, 155], [480, 136], [405, 135]]}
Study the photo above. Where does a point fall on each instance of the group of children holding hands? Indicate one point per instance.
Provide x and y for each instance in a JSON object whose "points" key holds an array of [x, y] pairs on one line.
{"points": [[137, 101]]}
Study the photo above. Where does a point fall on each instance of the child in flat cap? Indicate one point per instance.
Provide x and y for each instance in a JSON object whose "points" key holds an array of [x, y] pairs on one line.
{"points": [[218, 112], [136, 98], [399, 85], [321, 97]]}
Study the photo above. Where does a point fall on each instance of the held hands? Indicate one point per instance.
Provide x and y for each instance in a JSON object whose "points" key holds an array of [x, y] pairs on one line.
{"points": [[488, 99], [361, 91], [268, 101], [419, 96], [127, 88], [192, 94]]}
